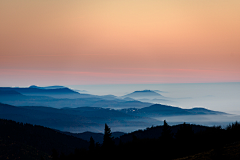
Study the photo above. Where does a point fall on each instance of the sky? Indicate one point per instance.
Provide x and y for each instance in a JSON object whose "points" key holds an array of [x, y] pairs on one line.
{"points": [[81, 42]]}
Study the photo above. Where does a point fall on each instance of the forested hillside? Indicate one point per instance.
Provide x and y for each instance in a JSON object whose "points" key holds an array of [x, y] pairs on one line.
{"points": [[183, 144], [25, 141]]}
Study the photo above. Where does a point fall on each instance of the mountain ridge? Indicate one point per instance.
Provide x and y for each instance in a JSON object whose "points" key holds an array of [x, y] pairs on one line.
{"points": [[143, 93], [163, 110], [73, 119], [64, 97], [82, 119]]}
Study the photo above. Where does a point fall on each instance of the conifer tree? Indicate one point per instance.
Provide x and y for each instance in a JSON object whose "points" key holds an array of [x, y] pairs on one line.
{"points": [[166, 132], [107, 138]]}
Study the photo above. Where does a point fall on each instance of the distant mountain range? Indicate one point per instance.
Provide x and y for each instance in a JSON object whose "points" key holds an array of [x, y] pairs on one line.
{"points": [[61, 92], [60, 96], [64, 109], [63, 97], [93, 118], [74, 119]]}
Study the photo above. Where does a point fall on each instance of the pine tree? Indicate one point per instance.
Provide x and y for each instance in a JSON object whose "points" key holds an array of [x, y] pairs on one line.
{"points": [[107, 138], [166, 140], [166, 132]]}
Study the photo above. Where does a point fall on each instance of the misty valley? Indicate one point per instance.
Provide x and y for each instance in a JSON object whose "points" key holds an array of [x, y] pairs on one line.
{"points": [[57, 122]]}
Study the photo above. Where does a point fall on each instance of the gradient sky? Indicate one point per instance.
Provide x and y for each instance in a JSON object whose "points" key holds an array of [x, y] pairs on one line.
{"points": [[70, 42]]}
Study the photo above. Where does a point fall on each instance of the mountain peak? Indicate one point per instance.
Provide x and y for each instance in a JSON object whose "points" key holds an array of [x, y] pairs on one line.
{"points": [[33, 86], [145, 91], [144, 94]]}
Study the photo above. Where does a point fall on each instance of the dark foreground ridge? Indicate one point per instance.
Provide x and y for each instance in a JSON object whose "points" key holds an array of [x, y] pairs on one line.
{"points": [[25, 141]]}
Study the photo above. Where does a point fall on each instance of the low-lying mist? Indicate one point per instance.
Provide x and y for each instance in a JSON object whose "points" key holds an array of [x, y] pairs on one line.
{"points": [[206, 120], [222, 97]]}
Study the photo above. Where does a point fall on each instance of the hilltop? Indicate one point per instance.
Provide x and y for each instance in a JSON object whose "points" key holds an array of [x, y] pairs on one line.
{"points": [[143, 94]]}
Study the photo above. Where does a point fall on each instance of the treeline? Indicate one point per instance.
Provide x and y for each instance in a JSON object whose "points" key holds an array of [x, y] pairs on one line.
{"points": [[26, 141], [167, 146]]}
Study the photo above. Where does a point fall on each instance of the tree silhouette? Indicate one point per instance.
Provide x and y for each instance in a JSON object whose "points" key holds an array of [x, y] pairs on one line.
{"points": [[107, 138], [166, 132], [92, 144], [184, 137], [185, 132]]}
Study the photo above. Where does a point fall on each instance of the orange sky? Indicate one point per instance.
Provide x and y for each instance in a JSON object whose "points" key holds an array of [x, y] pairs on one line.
{"points": [[129, 41]]}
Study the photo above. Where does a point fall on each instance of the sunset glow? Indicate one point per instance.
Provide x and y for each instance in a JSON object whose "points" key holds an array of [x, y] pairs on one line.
{"points": [[119, 42]]}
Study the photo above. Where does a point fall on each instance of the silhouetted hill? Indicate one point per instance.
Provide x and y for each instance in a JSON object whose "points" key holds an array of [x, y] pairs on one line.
{"points": [[37, 91], [8, 95], [204, 111], [192, 142], [26, 141], [73, 103], [143, 94], [157, 110], [109, 97], [92, 119], [155, 132], [62, 97], [203, 142], [59, 92], [48, 87], [74, 119]]}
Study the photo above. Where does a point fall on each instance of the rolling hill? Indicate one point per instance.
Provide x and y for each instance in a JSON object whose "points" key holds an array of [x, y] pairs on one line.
{"points": [[157, 110], [63, 97], [75, 119], [26, 141], [143, 94]]}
